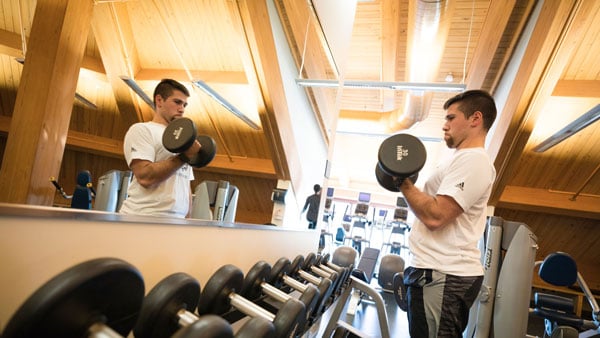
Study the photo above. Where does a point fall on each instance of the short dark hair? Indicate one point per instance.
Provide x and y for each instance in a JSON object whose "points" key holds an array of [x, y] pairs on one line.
{"points": [[316, 188], [471, 101], [166, 87]]}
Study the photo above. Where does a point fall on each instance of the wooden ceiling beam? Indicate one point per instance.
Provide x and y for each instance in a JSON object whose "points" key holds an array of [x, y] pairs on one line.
{"points": [[42, 110], [303, 32], [235, 165], [226, 77], [577, 88], [391, 36], [495, 22], [551, 202], [259, 57], [363, 115], [114, 37], [104, 146], [553, 40], [10, 44]]}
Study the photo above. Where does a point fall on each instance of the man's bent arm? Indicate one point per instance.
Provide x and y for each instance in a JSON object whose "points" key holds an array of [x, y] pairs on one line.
{"points": [[434, 211]]}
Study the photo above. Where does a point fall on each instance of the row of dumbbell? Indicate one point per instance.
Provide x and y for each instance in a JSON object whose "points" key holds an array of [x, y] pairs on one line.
{"points": [[228, 292], [329, 278], [106, 296]]}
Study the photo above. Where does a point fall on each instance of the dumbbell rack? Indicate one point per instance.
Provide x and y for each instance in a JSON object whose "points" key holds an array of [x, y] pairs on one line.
{"points": [[356, 284]]}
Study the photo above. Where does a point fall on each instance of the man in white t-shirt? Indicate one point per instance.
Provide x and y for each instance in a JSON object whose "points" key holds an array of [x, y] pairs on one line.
{"points": [[444, 274], [161, 184]]}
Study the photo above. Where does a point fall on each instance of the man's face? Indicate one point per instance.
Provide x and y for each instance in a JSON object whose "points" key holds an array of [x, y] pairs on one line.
{"points": [[456, 126], [173, 106]]}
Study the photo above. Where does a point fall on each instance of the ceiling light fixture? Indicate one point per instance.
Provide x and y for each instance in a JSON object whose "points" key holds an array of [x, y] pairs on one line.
{"points": [[583, 121], [138, 90], [221, 100], [420, 86], [78, 96], [85, 101]]}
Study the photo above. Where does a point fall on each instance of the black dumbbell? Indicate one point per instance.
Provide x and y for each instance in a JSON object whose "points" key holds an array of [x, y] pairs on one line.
{"points": [[98, 297], [399, 290], [324, 285], [169, 308], [311, 265], [221, 293], [213, 326], [180, 134], [209, 326], [344, 272], [255, 284], [283, 279], [400, 156]]}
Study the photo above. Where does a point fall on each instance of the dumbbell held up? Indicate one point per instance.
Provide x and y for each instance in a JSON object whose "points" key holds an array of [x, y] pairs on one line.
{"points": [[180, 137], [401, 156]]}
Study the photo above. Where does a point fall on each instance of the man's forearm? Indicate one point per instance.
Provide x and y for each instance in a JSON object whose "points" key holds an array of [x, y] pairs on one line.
{"points": [[152, 173], [424, 206]]}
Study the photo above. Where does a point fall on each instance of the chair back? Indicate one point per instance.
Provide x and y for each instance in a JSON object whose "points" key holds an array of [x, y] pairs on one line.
{"points": [[82, 196], [558, 268]]}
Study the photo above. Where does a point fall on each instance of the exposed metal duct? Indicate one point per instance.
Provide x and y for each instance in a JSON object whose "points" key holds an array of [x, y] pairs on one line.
{"points": [[429, 23]]}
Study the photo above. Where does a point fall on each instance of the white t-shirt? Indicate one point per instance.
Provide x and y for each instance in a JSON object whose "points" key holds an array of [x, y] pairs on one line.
{"points": [[467, 178], [143, 141]]}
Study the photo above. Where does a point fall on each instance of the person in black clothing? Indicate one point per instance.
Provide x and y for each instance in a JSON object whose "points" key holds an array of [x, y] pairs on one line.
{"points": [[312, 204]]}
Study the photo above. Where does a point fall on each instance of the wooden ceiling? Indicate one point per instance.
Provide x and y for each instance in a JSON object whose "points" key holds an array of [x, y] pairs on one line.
{"points": [[229, 45]]}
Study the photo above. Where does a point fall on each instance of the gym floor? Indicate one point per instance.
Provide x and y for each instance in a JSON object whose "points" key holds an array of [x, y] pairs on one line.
{"points": [[366, 320]]}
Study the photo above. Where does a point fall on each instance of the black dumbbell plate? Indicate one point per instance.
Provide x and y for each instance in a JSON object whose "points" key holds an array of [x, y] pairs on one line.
{"points": [[179, 135], [158, 317], [207, 326], [103, 290], [215, 296], [257, 275], [402, 155]]}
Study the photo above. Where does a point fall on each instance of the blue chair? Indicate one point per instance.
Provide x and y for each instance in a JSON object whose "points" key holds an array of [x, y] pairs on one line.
{"points": [[82, 196]]}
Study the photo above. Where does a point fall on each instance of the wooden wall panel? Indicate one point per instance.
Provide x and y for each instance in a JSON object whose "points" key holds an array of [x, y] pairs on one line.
{"points": [[578, 237], [10, 73], [106, 121]]}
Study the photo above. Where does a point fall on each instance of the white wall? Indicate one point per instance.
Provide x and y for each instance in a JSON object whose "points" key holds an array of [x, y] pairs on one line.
{"points": [[36, 243], [311, 146]]}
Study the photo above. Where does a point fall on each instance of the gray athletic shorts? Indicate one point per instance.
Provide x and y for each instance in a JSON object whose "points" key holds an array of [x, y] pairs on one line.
{"points": [[438, 304]]}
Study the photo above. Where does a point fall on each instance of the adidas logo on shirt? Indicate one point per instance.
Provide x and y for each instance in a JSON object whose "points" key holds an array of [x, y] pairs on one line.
{"points": [[461, 186]]}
